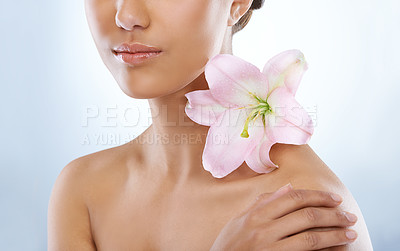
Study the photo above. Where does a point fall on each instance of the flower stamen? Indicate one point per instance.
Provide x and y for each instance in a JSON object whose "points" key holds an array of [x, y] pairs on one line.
{"points": [[260, 109]]}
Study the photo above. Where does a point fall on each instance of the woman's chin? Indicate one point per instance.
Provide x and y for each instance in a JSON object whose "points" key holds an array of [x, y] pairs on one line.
{"points": [[144, 92]]}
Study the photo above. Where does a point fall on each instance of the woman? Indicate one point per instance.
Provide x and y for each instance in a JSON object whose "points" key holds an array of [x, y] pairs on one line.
{"points": [[152, 193]]}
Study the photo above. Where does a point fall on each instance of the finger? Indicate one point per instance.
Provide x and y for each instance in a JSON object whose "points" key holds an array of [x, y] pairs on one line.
{"points": [[314, 240], [266, 197], [307, 218], [295, 200], [281, 191]]}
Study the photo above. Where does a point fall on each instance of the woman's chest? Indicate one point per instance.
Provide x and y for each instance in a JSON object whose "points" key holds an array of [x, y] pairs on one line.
{"points": [[160, 226], [190, 220]]}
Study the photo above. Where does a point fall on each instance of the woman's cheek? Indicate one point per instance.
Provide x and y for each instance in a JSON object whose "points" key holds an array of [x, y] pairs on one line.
{"points": [[100, 16], [182, 29]]}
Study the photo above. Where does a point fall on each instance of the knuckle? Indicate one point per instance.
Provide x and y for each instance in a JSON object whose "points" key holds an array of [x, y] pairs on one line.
{"points": [[297, 195], [311, 240], [257, 236], [260, 237], [251, 218], [262, 196], [311, 214]]}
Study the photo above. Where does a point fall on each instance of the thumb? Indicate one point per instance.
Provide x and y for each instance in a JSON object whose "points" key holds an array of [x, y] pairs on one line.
{"points": [[281, 191], [268, 197]]}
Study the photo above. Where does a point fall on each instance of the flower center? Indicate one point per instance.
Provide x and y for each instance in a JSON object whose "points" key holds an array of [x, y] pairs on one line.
{"points": [[262, 108]]}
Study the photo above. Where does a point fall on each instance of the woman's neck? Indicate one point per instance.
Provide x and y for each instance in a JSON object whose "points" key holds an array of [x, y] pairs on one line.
{"points": [[176, 143]]}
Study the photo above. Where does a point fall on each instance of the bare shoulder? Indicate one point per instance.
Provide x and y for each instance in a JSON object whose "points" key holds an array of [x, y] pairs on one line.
{"points": [[305, 170], [68, 221], [79, 182], [110, 163]]}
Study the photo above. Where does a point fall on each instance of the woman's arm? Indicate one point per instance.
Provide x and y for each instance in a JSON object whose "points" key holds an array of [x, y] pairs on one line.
{"points": [[305, 170], [68, 217]]}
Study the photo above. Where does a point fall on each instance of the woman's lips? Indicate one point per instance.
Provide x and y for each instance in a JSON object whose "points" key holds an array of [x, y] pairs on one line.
{"points": [[136, 58]]}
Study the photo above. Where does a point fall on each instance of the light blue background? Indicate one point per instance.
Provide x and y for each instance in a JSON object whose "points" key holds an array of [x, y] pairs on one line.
{"points": [[51, 73]]}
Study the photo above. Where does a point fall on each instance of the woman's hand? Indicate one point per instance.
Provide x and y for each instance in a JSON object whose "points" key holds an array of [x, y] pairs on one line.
{"points": [[282, 221]]}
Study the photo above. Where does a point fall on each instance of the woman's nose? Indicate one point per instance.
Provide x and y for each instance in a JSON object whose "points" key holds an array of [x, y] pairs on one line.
{"points": [[131, 13]]}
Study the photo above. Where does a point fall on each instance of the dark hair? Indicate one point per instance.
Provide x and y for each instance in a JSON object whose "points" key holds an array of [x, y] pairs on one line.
{"points": [[257, 4]]}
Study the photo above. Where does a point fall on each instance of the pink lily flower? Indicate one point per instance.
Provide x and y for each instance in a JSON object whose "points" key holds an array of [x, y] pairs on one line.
{"points": [[261, 105]]}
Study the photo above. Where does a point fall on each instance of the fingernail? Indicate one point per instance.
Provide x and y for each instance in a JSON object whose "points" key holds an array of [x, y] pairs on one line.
{"points": [[336, 197], [285, 187], [351, 234], [350, 217]]}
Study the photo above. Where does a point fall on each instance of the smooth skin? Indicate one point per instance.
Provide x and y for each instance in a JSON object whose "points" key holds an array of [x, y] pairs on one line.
{"points": [[152, 193]]}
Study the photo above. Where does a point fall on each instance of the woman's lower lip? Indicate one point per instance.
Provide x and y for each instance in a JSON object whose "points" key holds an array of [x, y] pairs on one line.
{"points": [[136, 58]]}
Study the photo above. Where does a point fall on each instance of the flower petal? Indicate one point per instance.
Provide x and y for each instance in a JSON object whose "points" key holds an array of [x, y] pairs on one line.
{"points": [[232, 80], [225, 150], [286, 68], [202, 108], [289, 123], [258, 160]]}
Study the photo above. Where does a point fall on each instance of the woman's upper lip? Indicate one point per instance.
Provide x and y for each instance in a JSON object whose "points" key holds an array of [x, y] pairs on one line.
{"points": [[135, 47]]}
